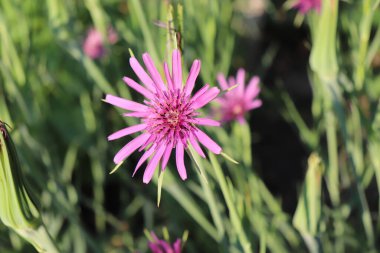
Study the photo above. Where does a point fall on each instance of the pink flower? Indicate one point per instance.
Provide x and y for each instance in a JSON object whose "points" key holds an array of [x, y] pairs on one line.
{"points": [[169, 116], [305, 6], [161, 246], [93, 45], [235, 103]]}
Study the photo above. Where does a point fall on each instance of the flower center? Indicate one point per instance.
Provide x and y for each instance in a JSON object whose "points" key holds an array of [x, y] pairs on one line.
{"points": [[237, 109], [172, 117]]}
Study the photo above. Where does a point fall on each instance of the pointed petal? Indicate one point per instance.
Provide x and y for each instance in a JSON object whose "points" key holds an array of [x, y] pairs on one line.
{"points": [[254, 104], [126, 131], [169, 79], [196, 146], [240, 79], [241, 120], [137, 87], [131, 146], [177, 246], [180, 160], [200, 92], [153, 72], [165, 246], [208, 142], [207, 122], [205, 98], [253, 88], [222, 81], [144, 157], [142, 75], [194, 72], [149, 171], [166, 156], [125, 104], [177, 69], [136, 114], [231, 81]]}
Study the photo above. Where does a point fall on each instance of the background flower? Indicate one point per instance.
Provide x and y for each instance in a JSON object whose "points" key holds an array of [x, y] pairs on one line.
{"points": [[162, 246], [93, 46], [305, 6], [238, 101]]}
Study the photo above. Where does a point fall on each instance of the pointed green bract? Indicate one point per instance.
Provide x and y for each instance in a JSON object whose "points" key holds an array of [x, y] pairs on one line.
{"points": [[116, 168], [159, 186], [308, 213]]}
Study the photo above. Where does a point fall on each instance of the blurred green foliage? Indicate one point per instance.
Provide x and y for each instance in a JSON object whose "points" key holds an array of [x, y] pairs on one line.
{"points": [[50, 94]]}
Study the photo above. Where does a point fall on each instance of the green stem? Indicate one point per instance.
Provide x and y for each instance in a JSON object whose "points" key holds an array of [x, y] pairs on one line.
{"points": [[333, 156], [148, 38], [235, 220], [365, 30]]}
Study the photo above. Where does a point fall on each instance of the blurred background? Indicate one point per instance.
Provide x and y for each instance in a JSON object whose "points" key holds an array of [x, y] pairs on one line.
{"points": [[58, 59]]}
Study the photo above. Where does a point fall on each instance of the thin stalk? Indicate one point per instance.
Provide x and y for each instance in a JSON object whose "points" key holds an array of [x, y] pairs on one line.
{"points": [[235, 220], [148, 38], [365, 30]]}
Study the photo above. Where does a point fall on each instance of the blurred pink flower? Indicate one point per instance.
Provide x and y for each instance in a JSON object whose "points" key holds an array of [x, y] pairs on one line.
{"points": [[161, 246], [93, 45], [169, 116], [235, 103], [305, 6]]}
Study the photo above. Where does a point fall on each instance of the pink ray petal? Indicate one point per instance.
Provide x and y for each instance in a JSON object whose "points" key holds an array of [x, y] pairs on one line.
{"points": [[240, 79], [142, 75], [177, 246], [177, 69], [126, 131], [241, 119], [149, 171], [153, 72], [208, 142], [144, 157], [222, 81], [253, 88], [137, 87], [254, 104], [125, 104], [200, 92], [165, 158], [231, 81], [166, 246], [180, 160], [206, 98], [196, 146], [207, 122], [130, 147], [194, 72], [136, 114], [168, 77]]}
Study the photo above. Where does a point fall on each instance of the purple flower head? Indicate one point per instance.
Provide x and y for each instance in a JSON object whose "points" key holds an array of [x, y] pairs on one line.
{"points": [[168, 116], [161, 246], [93, 45], [305, 6], [235, 103]]}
